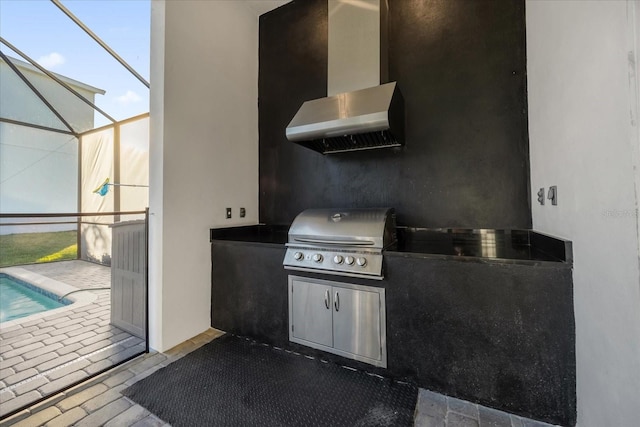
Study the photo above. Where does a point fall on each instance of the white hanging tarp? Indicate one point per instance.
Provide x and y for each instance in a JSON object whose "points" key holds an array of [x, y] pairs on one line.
{"points": [[96, 166], [127, 169]]}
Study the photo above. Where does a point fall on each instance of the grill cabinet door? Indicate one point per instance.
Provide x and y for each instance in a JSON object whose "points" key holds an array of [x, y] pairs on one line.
{"points": [[310, 316], [356, 322]]}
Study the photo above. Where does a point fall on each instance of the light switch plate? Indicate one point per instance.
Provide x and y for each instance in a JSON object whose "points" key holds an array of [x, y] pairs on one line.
{"points": [[553, 195]]}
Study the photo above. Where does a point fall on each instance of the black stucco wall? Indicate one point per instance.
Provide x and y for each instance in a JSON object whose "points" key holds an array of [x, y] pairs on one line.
{"points": [[461, 67]]}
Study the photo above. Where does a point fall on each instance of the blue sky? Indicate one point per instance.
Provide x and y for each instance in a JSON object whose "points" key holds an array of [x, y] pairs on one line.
{"points": [[42, 31]]}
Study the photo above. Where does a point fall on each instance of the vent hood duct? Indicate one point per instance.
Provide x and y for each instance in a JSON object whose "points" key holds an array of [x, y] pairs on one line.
{"points": [[359, 113]]}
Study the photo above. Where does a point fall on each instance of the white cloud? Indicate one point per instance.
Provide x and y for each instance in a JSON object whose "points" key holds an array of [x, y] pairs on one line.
{"points": [[128, 98], [51, 60]]}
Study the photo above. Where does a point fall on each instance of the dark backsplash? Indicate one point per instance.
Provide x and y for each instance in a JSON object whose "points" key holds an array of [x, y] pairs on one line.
{"points": [[461, 68]]}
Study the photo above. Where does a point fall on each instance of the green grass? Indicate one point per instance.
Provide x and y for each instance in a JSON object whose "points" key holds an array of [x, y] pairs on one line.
{"points": [[29, 248]]}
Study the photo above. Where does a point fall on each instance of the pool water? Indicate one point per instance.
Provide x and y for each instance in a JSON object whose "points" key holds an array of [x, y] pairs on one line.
{"points": [[19, 299]]}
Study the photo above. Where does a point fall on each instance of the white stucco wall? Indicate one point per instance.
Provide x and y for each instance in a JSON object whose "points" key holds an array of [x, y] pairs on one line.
{"points": [[582, 89], [204, 152]]}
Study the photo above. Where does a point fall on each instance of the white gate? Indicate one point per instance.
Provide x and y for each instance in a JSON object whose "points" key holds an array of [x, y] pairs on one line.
{"points": [[128, 277]]}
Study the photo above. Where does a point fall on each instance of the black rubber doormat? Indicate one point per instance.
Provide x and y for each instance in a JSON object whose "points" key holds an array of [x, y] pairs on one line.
{"points": [[233, 381]]}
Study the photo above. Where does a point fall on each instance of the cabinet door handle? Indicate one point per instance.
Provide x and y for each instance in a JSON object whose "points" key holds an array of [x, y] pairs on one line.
{"points": [[326, 299], [336, 301]]}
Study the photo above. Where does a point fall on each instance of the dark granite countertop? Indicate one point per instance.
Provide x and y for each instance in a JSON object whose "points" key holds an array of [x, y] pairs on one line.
{"points": [[514, 246], [485, 244], [261, 233]]}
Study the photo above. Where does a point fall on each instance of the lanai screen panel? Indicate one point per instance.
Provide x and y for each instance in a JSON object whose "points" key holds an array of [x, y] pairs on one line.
{"points": [[38, 173]]}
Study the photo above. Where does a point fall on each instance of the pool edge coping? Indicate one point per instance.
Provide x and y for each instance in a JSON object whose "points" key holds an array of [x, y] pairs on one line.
{"points": [[56, 287]]}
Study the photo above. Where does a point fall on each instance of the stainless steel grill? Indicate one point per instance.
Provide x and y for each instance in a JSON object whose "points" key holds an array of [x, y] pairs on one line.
{"points": [[345, 242]]}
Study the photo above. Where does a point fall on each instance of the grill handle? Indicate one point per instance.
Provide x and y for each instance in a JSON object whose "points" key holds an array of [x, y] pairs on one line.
{"points": [[335, 242]]}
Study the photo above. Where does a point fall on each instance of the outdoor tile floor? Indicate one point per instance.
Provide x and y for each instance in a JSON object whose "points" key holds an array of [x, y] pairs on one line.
{"points": [[436, 410], [98, 402], [40, 357], [81, 342]]}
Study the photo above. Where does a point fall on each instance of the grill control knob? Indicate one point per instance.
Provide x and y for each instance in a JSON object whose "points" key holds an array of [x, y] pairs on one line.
{"points": [[362, 261], [349, 260], [317, 257], [298, 256], [337, 259]]}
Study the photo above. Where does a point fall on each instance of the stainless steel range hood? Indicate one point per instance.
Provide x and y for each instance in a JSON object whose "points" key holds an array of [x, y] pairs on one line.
{"points": [[359, 113], [359, 120]]}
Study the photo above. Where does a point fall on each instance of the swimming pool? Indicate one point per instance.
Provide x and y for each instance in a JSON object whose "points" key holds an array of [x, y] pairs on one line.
{"points": [[19, 299]]}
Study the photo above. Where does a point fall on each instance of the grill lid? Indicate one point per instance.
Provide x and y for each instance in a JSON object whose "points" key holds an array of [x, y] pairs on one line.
{"points": [[363, 228]]}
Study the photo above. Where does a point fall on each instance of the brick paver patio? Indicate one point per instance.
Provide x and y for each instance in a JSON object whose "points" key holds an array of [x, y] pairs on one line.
{"points": [[98, 401], [42, 356]]}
